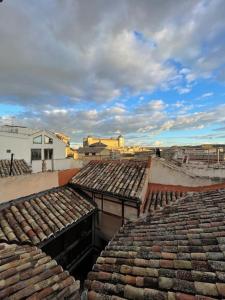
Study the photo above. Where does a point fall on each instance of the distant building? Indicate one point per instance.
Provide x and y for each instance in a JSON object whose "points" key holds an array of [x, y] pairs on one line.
{"points": [[69, 151], [30, 144], [203, 154], [95, 151], [111, 143], [63, 137]]}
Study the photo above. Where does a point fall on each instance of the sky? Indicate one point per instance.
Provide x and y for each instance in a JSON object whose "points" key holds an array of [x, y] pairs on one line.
{"points": [[153, 71]]}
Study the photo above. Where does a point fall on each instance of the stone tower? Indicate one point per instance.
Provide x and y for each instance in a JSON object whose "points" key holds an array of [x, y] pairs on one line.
{"points": [[120, 141]]}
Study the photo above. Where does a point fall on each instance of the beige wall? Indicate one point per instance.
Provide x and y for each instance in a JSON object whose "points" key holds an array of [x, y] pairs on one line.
{"points": [[19, 186], [130, 212], [113, 208], [108, 225], [163, 172], [202, 170]]}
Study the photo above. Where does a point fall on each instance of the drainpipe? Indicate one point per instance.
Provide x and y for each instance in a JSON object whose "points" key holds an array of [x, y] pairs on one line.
{"points": [[11, 165]]}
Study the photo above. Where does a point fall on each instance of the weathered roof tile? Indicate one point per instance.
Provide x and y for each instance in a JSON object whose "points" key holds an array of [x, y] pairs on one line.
{"points": [[124, 178], [29, 274], [19, 167], [173, 253], [33, 220]]}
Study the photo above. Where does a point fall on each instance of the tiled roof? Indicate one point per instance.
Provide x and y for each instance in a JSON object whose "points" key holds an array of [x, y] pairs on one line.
{"points": [[98, 144], [123, 178], [157, 199], [33, 220], [91, 149], [19, 167], [28, 273], [174, 253]]}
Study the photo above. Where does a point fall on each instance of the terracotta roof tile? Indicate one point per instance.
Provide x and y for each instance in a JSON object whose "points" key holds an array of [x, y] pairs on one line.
{"points": [[19, 167], [33, 220], [157, 199], [173, 253], [28, 273], [124, 178]]}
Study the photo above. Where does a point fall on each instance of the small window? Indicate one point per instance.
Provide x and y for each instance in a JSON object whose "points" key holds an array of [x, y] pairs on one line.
{"points": [[48, 140], [86, 154], [93, 154], [8, 151], [37, 139], [48, 154], [35, 154]]}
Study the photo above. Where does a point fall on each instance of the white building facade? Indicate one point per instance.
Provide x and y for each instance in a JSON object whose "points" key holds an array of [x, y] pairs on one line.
{"points": [[39, 148]]}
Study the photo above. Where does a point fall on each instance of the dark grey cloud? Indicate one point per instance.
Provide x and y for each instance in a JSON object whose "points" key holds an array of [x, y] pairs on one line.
{"points": [[87, 50]]}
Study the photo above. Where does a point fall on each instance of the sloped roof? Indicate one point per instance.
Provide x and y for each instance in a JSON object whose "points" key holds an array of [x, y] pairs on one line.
{"points": [[19, 167], [157, 198], [123, 178], [91, 149], [28, 273], [37, 218], [98, 144], [174, 253]]}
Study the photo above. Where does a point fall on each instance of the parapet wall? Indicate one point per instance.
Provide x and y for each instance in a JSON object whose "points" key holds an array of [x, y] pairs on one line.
{"points": [[163, 172], [20, 186], [212, 172]]}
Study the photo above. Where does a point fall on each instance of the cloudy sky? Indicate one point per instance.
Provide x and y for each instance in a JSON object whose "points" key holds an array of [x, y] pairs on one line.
{"points": [[151, 70]]}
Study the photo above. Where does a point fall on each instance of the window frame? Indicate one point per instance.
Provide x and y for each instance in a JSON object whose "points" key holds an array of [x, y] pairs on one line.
{"points": [[48, 154], [46, 136], [36, 143], [36, 149]]}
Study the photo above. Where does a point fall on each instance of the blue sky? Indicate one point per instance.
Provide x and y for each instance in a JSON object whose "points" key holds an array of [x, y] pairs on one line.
{"points": [[87, 67]]}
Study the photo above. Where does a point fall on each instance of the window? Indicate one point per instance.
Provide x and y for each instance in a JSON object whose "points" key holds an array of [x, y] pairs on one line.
{"points": [[48, 154], [35, 154], [8, 151], [48, 140], [37, 139]]}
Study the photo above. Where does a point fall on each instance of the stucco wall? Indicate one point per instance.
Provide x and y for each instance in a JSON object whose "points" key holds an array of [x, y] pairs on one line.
{"points": [[113, 208], [145, 186], [163, 173], [57, 164], [207, 171], [109, 225], [18, 144], [24, 185], [130, 212], [21, 145]]}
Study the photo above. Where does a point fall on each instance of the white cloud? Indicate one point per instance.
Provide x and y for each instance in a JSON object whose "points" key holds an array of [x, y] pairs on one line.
{"points": [[156, 104], [58, 56], [183, 90], [55, 111], [205, 95], [88, 51]]}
